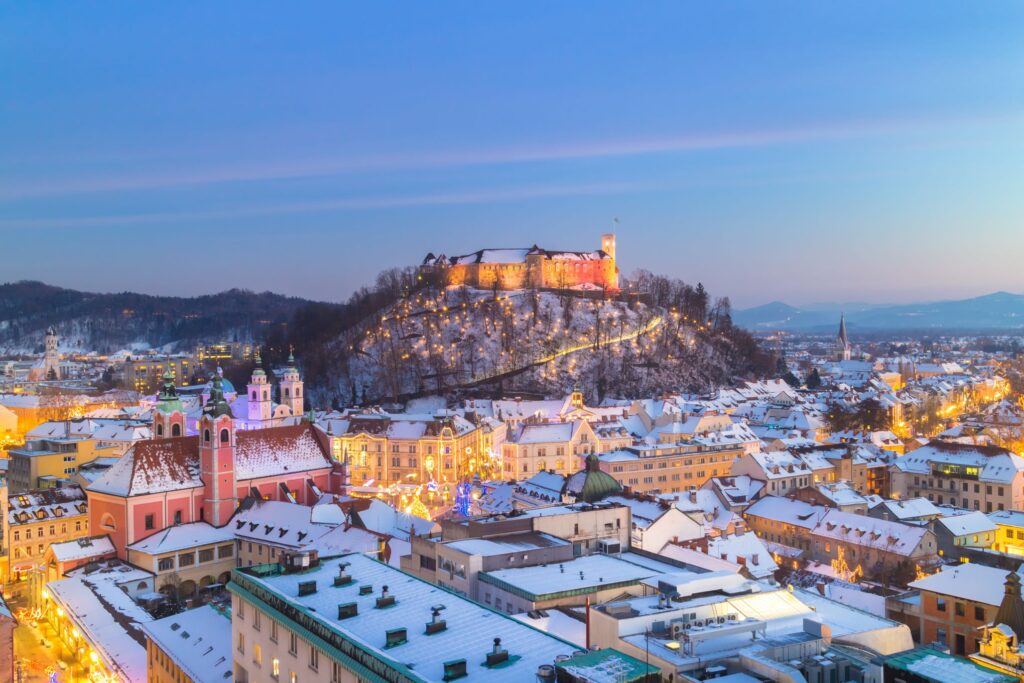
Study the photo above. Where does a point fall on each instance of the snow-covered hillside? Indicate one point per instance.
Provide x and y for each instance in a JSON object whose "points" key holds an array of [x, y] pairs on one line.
{"points": [[527, 340]]}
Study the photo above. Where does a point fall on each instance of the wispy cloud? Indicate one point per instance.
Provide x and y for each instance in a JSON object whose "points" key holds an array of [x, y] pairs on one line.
{"points": [[309, 168], [338, 204]]}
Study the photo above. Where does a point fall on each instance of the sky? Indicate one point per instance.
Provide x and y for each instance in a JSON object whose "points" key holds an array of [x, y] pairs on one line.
{"points": [[803, 152]]}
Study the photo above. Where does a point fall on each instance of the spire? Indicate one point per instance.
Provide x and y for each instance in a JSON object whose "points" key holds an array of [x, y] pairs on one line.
{"points": [[217, 405], [291, 356], [259, 364], [843, 339], [167, 400], [1011, 609]]}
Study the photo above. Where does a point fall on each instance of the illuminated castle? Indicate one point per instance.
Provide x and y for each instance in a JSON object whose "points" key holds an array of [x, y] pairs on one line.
{"points": [[530, 268]]}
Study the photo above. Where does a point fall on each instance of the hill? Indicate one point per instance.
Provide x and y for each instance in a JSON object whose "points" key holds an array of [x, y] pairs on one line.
{"points": [[109, 322], [458, 339], [992, 312]]}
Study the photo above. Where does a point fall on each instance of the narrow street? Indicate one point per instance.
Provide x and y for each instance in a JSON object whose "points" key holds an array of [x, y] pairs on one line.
{"points": [[38, 649]]}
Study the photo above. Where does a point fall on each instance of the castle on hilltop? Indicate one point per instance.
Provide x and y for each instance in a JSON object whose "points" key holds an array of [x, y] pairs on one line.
{"points": [[532, 267]]}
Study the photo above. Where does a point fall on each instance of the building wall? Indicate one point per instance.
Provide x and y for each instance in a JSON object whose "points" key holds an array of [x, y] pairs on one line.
{"points": [[940, 621], [447, 457], [522, 461], [146, 375], [672, 472], [26, 539], [7, 625], [256, 644], [964, 492]]}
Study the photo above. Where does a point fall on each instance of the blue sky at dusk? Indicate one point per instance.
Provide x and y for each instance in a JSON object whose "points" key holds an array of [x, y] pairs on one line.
{"points": [[798, 151]]}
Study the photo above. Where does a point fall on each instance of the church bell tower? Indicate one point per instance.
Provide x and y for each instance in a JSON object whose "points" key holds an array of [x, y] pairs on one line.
{"points": [[259, 407], [291, 387], [217, 457]]}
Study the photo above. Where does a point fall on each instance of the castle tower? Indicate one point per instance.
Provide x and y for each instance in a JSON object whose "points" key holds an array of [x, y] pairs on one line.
{"points": [[217, 457], [51, 358], [608, 244], [608, 247], [168, 416], [259, 394], [844, 350], [291, 387]]}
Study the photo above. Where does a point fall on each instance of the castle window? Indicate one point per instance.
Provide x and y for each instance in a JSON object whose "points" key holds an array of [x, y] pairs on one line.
{"points": [[224, 436]]}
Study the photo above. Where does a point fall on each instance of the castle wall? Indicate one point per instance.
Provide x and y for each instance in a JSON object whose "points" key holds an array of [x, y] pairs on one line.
{"points": [[537, 272]]}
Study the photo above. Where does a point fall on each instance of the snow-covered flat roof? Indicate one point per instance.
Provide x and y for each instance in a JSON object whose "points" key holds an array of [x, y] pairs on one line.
{"points": [[501, 545], [782, 612], [591, 572], [182, 537], [469, 635]]}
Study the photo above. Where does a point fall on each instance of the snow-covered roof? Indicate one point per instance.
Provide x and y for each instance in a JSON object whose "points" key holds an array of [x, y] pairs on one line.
{"points": [[746, 549], [970, 523], [503, 545], [108, 617], [552, 432], [28, 507], [182, 537], [198, 641], [470, 633], [160, 465], [854, 529], [992, 463], [970, 581], [912, 508], [82, 549], [793, 512], [383, 519], [587, 573]]}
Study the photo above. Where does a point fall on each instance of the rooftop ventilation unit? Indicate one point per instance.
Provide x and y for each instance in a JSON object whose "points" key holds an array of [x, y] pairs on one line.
{"points": [[455, 669], [347, 610], [385, 599], [292, 562], [395, 637], [307, 588], [436, 623], [497, 655], [342, 579], [366, 589]]}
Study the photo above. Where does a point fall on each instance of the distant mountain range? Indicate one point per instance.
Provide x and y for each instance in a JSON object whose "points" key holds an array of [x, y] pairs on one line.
{"points": [[993, 312], [109, 322]]}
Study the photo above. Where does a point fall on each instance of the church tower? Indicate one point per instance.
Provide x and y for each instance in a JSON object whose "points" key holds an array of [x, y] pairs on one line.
{"points": [[259, 395], [291, 387], [844, 350], [51, 358], [168, 415], [217, 457]]}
